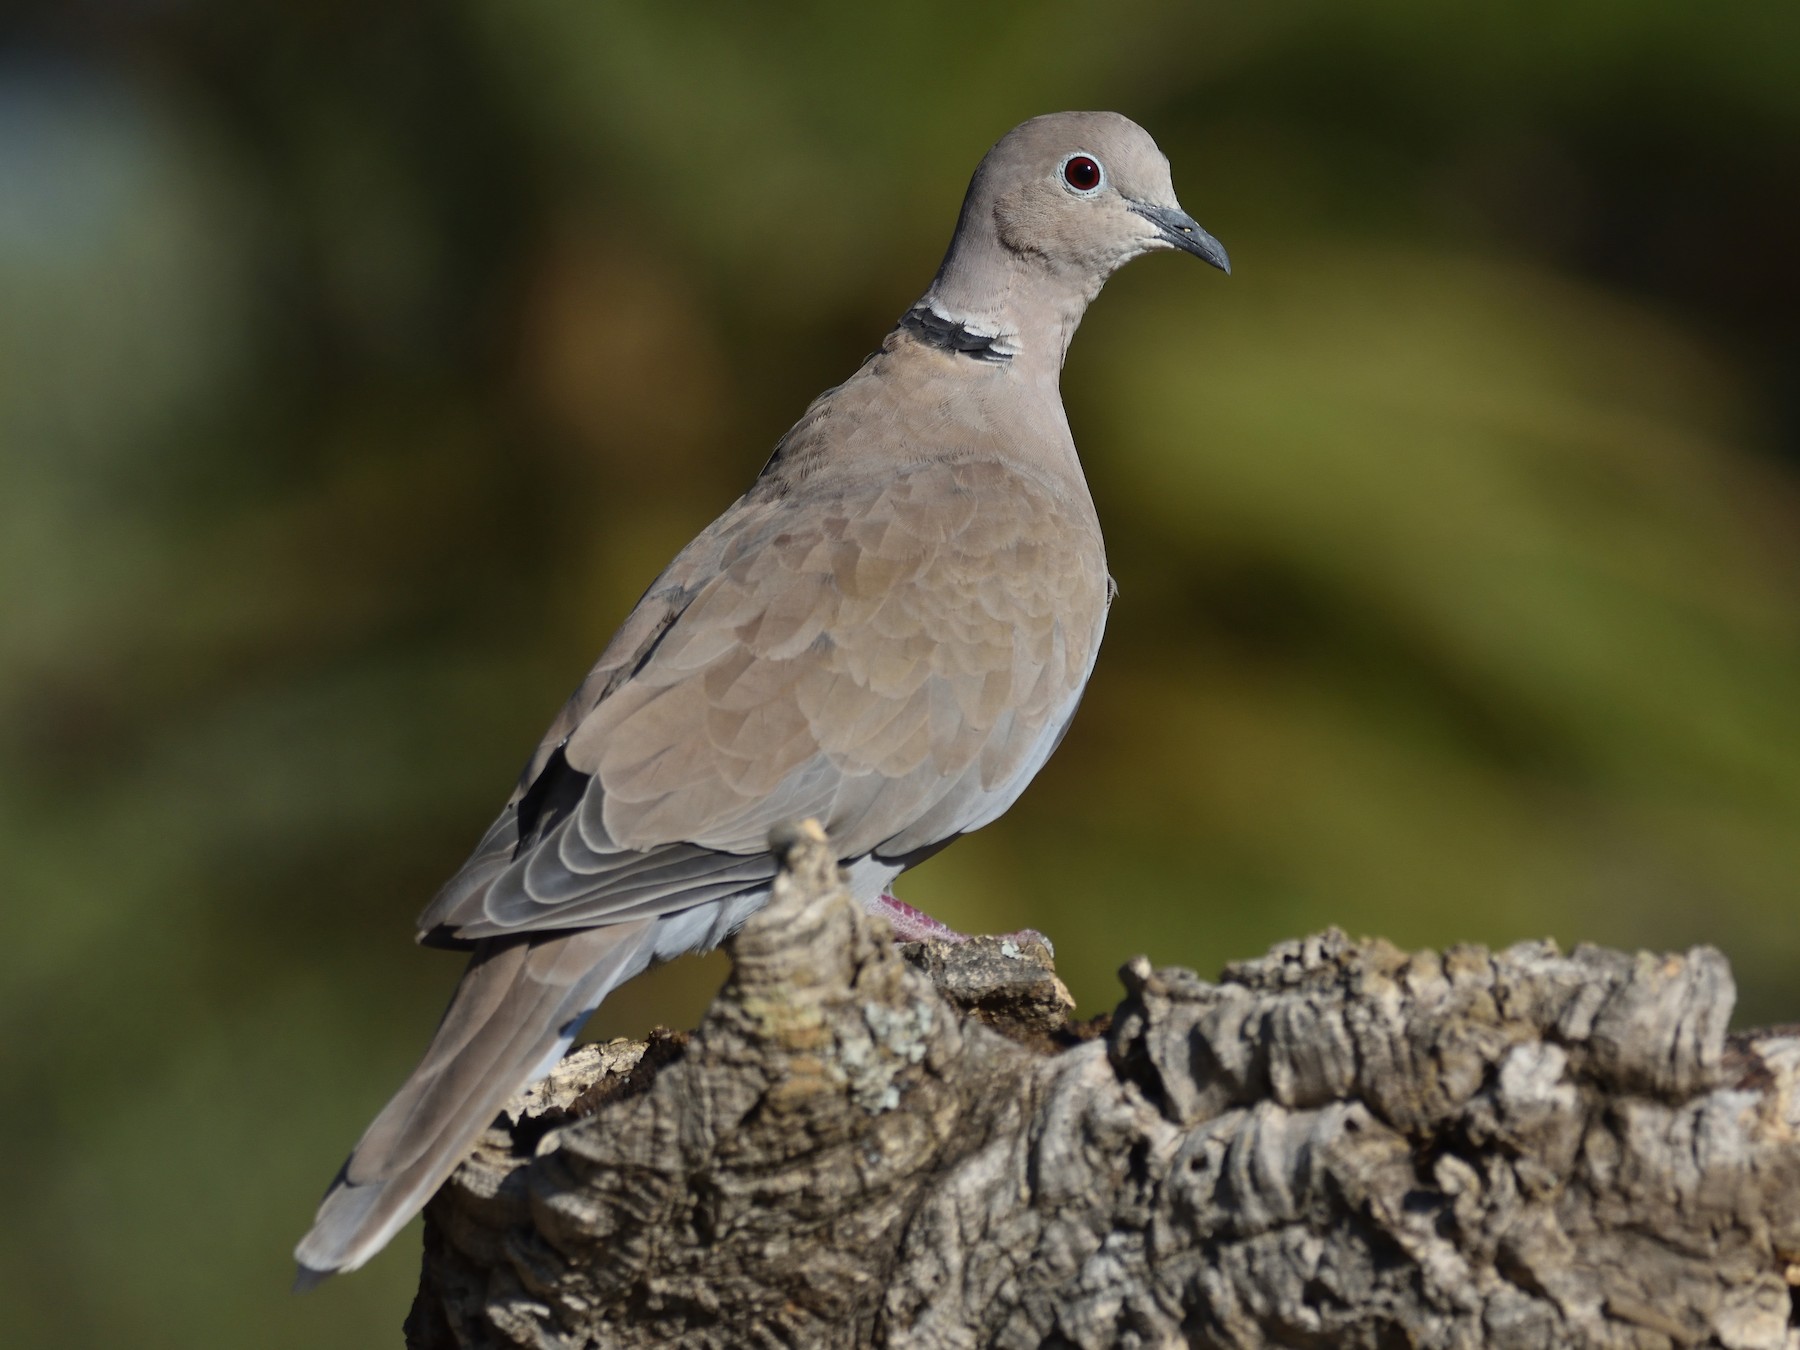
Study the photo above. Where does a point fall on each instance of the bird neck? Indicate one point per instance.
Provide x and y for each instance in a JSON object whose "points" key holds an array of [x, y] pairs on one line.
{"points": [[991, 303]]}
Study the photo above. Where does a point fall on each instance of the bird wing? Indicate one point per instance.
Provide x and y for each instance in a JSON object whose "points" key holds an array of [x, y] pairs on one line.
{"points": [[895, 656]]}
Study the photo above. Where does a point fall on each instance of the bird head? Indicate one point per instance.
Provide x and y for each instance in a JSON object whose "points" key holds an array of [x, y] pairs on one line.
{"points": [[1083, 191]]}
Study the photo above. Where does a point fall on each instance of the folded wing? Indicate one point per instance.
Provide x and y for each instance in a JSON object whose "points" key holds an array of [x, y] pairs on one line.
{"points": [[895, 659]]}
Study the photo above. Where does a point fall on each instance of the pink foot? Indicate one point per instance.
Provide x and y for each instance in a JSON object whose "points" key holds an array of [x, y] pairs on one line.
{"points": [[915, 925]]}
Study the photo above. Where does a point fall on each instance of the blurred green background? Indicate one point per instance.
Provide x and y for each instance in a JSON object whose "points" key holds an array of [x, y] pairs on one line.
{"points": [[359, 365]]}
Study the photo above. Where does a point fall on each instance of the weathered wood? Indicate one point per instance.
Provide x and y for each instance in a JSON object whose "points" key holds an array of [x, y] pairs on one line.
{"points": [[1337, 1144]]}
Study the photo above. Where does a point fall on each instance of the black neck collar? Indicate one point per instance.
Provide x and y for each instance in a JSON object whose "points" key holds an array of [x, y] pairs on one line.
{"points": [[947, 334]]}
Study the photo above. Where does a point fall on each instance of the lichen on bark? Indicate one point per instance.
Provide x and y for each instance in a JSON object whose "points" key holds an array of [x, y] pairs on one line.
{"points": [[1336, 1144]]}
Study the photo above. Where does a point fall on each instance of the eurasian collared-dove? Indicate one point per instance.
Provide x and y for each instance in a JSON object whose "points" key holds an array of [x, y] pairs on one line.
{"points": [[889, 632]]}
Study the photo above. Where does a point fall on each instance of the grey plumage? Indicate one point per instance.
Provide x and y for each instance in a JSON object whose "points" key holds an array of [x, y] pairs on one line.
{"points": [[889, 632]]}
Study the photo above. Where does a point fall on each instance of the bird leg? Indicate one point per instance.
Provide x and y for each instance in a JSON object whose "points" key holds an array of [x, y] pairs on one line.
{"points": [[915, 925]]}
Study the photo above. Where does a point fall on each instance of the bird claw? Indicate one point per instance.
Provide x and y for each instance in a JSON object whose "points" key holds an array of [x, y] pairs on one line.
{"points": [[1032, 935]]}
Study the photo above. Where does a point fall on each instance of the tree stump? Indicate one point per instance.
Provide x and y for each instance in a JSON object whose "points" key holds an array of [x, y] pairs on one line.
{"points": [[1338, 1144]]}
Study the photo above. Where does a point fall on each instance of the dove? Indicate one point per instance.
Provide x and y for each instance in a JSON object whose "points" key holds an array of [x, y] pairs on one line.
{"points": [[888, 633]]}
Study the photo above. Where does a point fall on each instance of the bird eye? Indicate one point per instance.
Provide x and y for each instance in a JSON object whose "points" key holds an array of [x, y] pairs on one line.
{"points": [[1081, 173]]}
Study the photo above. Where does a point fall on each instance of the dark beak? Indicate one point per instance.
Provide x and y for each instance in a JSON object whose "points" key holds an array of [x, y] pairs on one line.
{"points": [[1180, 230]]}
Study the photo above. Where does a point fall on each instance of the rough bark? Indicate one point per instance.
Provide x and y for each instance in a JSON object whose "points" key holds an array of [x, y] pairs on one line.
{"points": [[1337, 1144]]}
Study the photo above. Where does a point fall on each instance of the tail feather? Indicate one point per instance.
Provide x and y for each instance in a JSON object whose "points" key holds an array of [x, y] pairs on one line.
{"points": [[519, 1004]]}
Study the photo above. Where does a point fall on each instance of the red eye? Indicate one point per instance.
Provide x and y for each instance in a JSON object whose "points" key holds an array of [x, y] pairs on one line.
{"points": [[1081, 173]]}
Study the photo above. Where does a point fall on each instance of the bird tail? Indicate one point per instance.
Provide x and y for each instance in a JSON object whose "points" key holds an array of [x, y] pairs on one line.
{"points": [[516, 1009]]}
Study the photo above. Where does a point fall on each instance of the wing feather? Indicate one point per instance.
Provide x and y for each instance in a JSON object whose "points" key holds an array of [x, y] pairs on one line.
{"points": [[897, 659]]}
